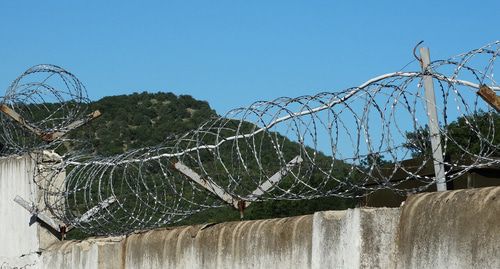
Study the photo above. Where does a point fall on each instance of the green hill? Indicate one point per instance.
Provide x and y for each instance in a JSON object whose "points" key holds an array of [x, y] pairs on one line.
{"points": [[148, 119], [145, 119]]}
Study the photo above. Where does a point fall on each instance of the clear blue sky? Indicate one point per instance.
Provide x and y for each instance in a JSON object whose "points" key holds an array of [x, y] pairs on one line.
{"points": [[232, 53]]}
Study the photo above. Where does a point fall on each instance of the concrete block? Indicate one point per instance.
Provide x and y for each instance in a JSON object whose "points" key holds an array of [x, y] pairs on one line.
{"points": [[454, 229]]}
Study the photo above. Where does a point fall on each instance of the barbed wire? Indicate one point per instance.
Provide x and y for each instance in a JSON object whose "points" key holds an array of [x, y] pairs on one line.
{"points": [[38, 106], [346, 143]]}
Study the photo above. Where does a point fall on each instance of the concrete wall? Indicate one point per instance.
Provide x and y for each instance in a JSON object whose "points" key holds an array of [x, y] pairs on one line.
{"points": [[456, 229], [18, 238], [342, 239], [21, 237]]}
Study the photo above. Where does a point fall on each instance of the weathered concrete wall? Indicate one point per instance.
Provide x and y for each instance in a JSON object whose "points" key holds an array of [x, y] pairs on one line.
{"points": [[344, 239], [274, 243], [361, 238], [103, 253], [17, 236], [455, 229], [21, 237]]}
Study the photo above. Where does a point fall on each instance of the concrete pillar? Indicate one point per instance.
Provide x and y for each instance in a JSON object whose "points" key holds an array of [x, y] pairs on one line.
{"points": [[22, 238]]}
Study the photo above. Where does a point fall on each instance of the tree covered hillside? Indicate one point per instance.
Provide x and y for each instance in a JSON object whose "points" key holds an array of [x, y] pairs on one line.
{"points": [[144, 119], [148, 119]]}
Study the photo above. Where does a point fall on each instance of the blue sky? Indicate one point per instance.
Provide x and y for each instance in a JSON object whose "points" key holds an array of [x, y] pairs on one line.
{"points": [[232, 53]]}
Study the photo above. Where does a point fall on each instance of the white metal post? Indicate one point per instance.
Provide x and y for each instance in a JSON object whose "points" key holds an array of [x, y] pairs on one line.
{"points": [[437, 152]]}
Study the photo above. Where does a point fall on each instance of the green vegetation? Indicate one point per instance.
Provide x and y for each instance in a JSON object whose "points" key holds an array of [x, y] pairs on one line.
{"points": [[465, 133], [148, 119], [143, 119]]}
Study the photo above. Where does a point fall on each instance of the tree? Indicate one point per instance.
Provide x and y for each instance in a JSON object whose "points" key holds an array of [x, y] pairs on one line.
{"points": [[477, 134]]}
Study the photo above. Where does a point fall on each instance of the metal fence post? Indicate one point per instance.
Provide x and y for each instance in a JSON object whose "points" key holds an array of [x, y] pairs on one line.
{"points": [[437, 152]]}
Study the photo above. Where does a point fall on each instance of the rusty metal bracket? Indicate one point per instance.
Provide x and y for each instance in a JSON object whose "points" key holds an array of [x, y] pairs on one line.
{"points": [[489, 96], [87, 216], [60, 227], [58, 134], [19, 119], [267, 185], [47, 136], [239, 204], [208, 185], [33, 210]]}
